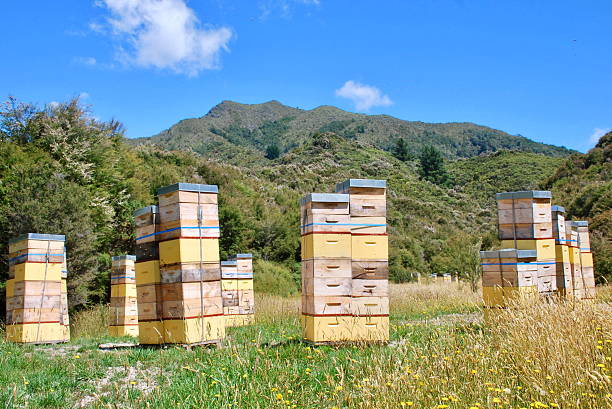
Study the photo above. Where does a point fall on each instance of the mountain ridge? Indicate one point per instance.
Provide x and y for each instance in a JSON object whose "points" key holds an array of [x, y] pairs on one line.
{"points": [[230, 129]]}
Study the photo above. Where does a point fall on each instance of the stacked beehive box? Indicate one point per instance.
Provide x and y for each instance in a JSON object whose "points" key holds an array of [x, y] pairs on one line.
{"points": [[571, 238], [508, 275], [188, 237], [345, 264], [369, 256], [123, 303], [525, 223], [65, 320], [564, 275], [34, 289], [238, 294], [586, 258], [148, 277]]}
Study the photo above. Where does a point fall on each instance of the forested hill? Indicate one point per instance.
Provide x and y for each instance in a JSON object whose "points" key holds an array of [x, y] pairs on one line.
{"points": [[243, 133]]}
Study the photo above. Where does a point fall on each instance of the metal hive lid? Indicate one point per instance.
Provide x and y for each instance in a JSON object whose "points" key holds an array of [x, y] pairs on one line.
{"points": [[145, 210], [325, 197], [188, 187]]}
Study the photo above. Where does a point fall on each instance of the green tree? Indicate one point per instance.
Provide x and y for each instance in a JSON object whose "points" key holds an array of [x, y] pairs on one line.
{"points": [[400, 151], [431, 166], [272, 151]]}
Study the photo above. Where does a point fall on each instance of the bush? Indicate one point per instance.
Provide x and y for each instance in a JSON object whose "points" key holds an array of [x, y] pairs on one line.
{"points": [[273, 278]]}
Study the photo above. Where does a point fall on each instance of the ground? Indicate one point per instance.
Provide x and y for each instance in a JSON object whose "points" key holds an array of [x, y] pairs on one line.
{"points": [[441, 355]]}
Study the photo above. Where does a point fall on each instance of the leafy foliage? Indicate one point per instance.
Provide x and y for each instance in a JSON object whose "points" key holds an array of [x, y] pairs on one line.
{"points": [[583, 185], [432, 166]]}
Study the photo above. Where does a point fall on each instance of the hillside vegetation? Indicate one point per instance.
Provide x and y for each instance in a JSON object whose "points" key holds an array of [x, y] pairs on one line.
{"points": [[62, 171], [583, 184], [242, 133]]}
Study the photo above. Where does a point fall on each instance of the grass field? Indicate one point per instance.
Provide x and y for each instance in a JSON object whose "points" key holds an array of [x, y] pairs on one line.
{"points": [[441, 355]]}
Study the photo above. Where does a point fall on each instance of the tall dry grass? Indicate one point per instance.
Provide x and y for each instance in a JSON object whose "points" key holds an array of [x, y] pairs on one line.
{"points": [[90, 323]]}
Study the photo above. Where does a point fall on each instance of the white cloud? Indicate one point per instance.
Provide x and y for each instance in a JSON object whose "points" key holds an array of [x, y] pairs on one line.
{"points": [[598, 133], [363, 96], [53, 104], [83, 96], [91, 61], [165, 34]]}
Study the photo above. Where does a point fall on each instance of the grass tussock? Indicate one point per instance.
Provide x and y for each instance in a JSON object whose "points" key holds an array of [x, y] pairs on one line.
{"points": [[554, 355], [90, 323]]}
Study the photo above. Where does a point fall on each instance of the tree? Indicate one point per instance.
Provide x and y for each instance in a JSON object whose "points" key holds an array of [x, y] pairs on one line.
{"points": [[272, 151], [432, 166], [400, 151]]}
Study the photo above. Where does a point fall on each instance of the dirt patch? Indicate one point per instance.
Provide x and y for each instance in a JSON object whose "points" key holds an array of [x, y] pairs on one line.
{"points": [[119, 379]]}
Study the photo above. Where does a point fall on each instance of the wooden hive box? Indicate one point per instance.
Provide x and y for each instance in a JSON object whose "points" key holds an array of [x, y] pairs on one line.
{"points": [[146, 221], [367, 197], [558, 220], [524, 207], [124, 297]]}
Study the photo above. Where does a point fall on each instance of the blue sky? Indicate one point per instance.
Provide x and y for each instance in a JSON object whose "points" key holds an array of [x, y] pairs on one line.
{"points": [[540, 69]]}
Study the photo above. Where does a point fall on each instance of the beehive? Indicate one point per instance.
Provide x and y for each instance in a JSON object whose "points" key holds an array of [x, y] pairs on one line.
{"points": [[123, 302], [525, 223], [563, 267], [586, 258], [148, 277], [238, 291], [345, 263], [65, 320], [188, 239], [36, 302]]}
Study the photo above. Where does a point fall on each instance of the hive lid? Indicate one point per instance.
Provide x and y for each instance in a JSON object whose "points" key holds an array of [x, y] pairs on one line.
{"points": [[38, 236], [580, 223], [525, 194], [229, 263], [241, 256], [188, 187], [509, 253], [325, 197], [369, 183], [145, 210], [126, 257], [557, 209]]}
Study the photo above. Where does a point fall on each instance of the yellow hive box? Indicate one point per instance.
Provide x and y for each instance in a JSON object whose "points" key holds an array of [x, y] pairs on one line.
{"points": [[236, 285], [562, 253], [36, 271], [123, 330], [326, 246], [545, 248], [64, 287], [151, 332], [188, 251], [586, 259], [194, 330], [10, 288], [345, 329], [27, 333], [148, 272], [370, 247], [123, 290], [503, 296], [575, 258], [239, 320]]}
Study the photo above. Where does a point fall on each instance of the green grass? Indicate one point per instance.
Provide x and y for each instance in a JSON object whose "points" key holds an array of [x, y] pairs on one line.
{"points": [[429, 363]]}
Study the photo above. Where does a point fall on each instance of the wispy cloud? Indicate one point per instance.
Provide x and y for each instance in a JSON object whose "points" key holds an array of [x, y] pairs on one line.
{"points": [[598, 133], [164, 34], [284, 8], [91, 61], [363, 96]]}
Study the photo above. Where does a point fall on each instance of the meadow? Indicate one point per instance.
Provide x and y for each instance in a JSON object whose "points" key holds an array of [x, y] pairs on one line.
{"points": [[441, 355]]}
